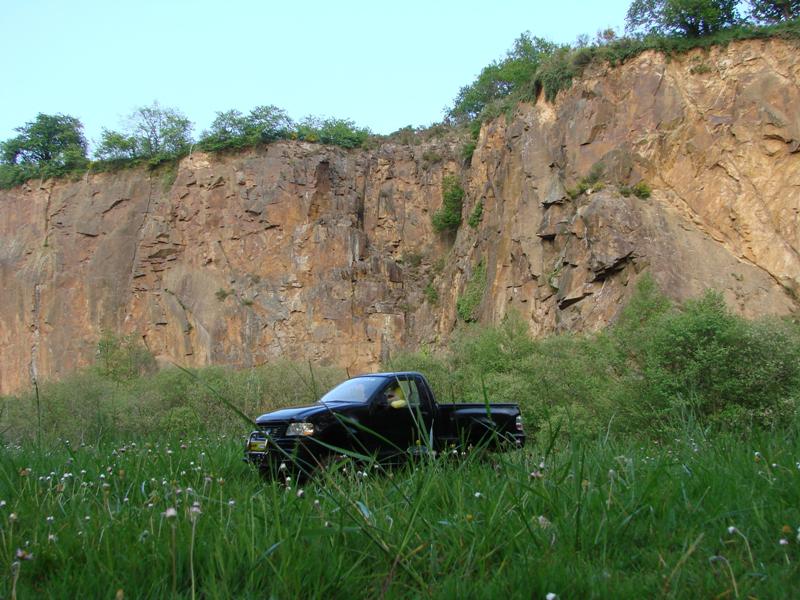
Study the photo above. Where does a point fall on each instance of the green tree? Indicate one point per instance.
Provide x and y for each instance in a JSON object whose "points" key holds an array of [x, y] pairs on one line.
{"points": [[49, 145], [151, 132], [690, 18], [232, 129], [772, 11], [498, 80]]}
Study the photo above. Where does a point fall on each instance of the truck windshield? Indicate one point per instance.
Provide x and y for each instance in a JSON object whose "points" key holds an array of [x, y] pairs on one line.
{"points": [[359, 389]]}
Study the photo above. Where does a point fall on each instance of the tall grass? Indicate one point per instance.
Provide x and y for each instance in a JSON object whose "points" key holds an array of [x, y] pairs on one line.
{"points": [[93, 405], [692, 517]]}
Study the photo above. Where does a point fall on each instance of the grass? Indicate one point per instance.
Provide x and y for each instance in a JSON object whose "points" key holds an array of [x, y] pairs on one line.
{"points": [[602, 518], [663, 461]]}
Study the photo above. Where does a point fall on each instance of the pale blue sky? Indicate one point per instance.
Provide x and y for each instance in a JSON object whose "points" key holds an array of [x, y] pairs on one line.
{"points": [[384, 65]]}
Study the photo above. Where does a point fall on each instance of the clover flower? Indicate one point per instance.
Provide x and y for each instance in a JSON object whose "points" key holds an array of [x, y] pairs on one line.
{"points": [[543, 521], [170, 513], [783, 542], [23, 554]]}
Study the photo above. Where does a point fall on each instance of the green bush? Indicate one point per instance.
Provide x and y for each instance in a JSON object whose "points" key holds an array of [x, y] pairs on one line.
{"points": [[467, 150], [657, 367], [431, 294], [709, 360], [337, 132], [468, 303], [448, 217], [476, 216], [556, 73], [641, 190], [231, 130]]}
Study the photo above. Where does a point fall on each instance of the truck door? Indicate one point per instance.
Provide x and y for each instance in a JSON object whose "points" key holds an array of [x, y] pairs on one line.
{"points": [[403, 423]]}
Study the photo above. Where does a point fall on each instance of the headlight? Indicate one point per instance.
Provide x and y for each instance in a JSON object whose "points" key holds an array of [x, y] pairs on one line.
{"points": [[519, 423], [300, 429]]}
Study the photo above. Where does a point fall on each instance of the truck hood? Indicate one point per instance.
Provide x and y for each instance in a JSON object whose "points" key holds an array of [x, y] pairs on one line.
{"points": [[301, 413]]}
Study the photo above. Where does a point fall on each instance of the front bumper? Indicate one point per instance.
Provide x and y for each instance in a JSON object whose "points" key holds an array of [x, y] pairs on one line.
{"points": [[265, 451]]}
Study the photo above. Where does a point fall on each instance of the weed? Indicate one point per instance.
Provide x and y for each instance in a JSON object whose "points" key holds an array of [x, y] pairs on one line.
{"points": [[431, 294], [468, 303], [476, 216], [431, 157]]}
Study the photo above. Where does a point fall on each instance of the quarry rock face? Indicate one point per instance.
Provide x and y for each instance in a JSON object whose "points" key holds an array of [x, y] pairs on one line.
{"points": [[317, 253]]}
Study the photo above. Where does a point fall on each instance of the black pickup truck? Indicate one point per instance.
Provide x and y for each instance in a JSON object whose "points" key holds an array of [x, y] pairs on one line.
{"points": [[386, 416]]}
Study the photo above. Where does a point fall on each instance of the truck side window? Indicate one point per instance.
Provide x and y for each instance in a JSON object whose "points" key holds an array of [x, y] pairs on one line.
{"points": [[411, 392]]}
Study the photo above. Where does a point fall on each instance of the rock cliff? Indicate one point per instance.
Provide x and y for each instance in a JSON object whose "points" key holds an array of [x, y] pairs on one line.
{"points": [[319, 253]]}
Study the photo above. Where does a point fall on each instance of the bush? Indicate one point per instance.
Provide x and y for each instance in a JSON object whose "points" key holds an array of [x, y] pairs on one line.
{"points": [[476, 216], [469, 302], [709, 360], [337, 132], [231, 130], [448, 217], [556, 73], [655, 368], [431, 294]]}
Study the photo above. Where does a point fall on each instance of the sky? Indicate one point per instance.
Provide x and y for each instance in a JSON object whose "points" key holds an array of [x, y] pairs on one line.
{"points": [[384, 65]]}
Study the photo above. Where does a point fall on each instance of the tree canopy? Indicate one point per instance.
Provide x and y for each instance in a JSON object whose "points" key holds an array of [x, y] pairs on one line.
{"points": [[691, 18], [151, 132], [55, 141], [500, 78], [773, 11]]}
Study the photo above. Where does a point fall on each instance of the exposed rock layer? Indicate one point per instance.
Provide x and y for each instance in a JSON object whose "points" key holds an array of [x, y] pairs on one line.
{"points": [[323, 254]]}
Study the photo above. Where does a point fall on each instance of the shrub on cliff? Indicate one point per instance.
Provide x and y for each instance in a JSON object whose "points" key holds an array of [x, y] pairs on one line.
{"points": [[337, 132], [499, 79], [448, 217], [234, 130]]}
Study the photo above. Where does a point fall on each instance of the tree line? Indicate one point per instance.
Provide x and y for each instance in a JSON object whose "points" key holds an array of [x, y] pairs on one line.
{"points": [[534, 65], [55, 145]]}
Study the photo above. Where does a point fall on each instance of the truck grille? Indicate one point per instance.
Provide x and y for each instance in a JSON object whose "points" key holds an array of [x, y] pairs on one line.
{"points": [[274, 430]]}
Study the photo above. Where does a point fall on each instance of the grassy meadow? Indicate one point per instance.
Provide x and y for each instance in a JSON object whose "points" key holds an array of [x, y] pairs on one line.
{"points": [[663, 461], [694, 516]]}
